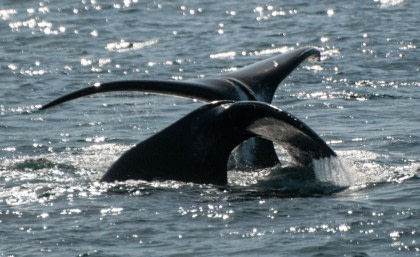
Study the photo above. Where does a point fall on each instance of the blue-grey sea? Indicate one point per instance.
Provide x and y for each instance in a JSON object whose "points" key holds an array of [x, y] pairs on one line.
{"points": [[362, 98]]}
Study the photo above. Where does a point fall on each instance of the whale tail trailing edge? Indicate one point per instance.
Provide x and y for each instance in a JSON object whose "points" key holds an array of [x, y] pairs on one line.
{"points": [[257, 81], [196, 148]]}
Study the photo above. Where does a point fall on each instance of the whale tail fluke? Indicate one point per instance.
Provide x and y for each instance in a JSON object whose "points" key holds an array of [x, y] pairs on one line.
{"points": [[263, 77], [196, 148], [190, 89], [257, 81]]}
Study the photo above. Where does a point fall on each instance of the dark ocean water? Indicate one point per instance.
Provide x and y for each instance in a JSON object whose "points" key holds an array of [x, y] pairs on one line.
{"points": [[363, 98]]}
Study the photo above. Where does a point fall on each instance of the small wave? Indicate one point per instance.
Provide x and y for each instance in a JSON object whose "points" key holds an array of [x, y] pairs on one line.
{"points": [[39, 164], [270, 51], [124, 46], [347, 95], [388, 3], [225, 55], [368, 96]]}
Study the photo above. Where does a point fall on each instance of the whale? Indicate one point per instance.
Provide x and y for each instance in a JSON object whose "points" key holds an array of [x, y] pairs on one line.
{"points": [[255, 82], [196, 148]]}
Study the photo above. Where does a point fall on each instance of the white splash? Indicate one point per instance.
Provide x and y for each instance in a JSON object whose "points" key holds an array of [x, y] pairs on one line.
{"points": [[335, 171], [359, 168]]}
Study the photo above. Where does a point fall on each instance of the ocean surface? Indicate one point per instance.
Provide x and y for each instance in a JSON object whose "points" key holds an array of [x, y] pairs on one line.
{"points": [[362, 98]]}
